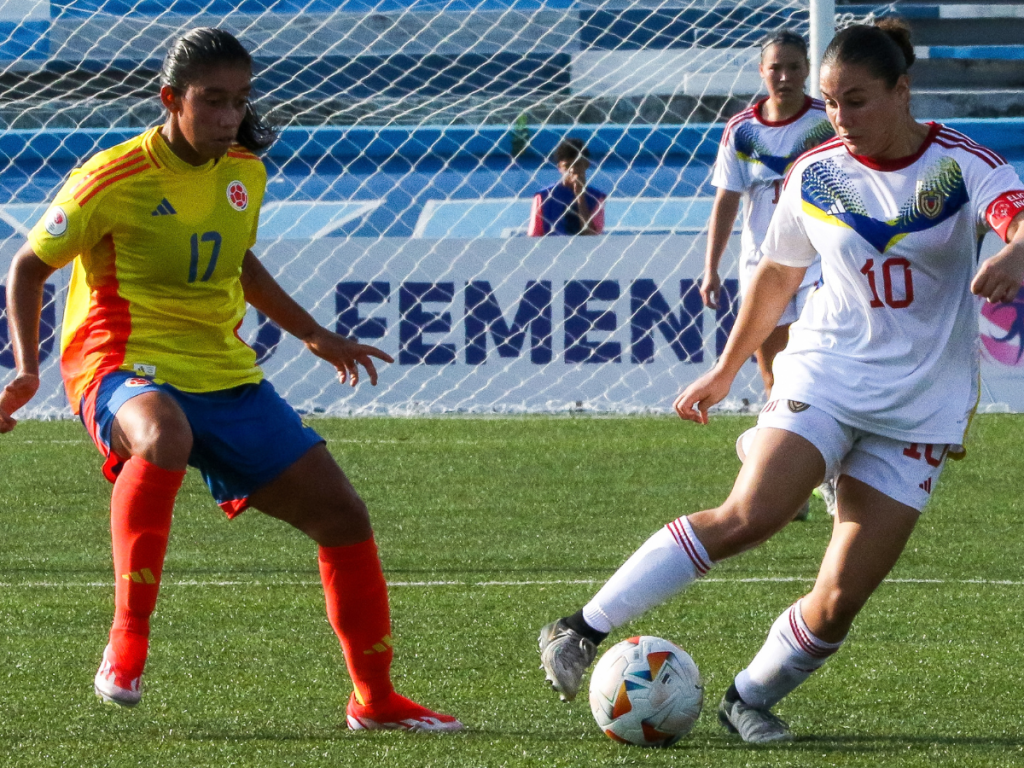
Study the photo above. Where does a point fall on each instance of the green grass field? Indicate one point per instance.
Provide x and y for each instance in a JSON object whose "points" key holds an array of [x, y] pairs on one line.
{"points": [[489, 528]]}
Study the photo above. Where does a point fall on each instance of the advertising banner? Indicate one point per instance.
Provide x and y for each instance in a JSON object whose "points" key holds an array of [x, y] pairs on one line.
{"points": [[489, 325]]}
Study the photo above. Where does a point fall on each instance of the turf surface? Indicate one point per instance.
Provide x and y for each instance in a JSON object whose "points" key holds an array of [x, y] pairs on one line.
{"points": [[488, 529]]}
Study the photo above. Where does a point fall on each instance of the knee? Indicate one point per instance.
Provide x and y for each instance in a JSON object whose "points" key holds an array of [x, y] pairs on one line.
{"points": [[165, 442], [339, 523], [733, 528]]}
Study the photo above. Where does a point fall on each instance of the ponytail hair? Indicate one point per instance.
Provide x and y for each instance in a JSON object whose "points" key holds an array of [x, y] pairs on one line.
{"points": [[195, 53], [883, 48]]}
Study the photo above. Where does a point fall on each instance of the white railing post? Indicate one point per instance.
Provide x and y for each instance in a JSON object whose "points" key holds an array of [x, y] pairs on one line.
{"points": [[823, 27]]}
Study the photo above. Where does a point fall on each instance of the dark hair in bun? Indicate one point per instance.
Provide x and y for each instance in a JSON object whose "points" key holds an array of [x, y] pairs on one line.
{"points": [[884, 49]]}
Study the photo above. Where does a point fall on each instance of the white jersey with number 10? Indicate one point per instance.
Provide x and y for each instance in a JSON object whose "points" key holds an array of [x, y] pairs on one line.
{"points": [[889, 343]]}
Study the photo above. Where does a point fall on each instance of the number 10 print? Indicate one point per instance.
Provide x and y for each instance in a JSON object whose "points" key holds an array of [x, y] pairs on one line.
{"points": [[893, 270]]}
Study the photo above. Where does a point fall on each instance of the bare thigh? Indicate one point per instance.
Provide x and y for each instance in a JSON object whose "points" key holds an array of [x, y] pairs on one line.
{"points": [[868, 536], [779, 472], [314, 495], [153, 427]]}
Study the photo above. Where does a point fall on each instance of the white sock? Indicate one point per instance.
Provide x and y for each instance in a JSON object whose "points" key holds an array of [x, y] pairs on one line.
{"points": [[668, 562], [787, 658]]}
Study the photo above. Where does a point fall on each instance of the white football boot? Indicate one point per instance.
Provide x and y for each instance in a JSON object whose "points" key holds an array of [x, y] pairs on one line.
{"points": [[114, 690]]}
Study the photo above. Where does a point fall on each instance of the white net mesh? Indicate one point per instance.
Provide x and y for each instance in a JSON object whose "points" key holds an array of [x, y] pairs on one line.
{"points": [[414, 136]]}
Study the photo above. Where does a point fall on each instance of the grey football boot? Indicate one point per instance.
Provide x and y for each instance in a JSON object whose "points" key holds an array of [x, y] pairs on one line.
{"points": [[755, 726], [827, 491], [564, 656]]}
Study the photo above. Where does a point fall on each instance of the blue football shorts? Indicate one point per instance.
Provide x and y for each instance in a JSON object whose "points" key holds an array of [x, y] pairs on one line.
{"points": [[242, 438]]}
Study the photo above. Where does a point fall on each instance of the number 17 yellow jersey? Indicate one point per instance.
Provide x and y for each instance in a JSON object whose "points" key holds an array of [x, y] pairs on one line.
{"points": [[157, 246]]}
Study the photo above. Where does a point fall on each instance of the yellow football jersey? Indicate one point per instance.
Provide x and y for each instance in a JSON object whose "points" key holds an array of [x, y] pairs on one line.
{"points": [[157, 246]]}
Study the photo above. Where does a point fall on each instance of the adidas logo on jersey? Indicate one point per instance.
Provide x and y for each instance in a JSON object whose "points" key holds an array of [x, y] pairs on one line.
{"points": [[836, 208], [164, 209]]}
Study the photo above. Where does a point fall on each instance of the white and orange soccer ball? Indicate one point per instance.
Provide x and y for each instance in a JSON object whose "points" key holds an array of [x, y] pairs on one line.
{"points": [[646, 691]]}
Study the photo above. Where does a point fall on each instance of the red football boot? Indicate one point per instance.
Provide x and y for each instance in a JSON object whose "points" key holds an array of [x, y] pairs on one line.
{"points": [[397, 713]]}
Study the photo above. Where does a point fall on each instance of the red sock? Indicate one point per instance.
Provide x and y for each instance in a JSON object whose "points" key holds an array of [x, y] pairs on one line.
{"points": [[140, 523], [357, 607]]}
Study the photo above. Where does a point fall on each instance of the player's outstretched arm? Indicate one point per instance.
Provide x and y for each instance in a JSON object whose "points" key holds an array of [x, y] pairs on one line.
{"points": [[723, 216], [25, 281], [346, 355], [770, 291], [1000, 277]]}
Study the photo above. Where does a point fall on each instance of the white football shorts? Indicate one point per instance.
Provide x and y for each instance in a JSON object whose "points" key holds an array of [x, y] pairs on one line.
{"points": [[906, 472]]}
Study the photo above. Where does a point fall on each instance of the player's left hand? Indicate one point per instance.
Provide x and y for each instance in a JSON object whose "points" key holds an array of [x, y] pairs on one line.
{"points": [[1000, 278], [346, 355], [708, 390]]}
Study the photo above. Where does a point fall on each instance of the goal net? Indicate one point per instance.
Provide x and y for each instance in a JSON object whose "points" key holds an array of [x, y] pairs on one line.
{"points": [[414, 135]]}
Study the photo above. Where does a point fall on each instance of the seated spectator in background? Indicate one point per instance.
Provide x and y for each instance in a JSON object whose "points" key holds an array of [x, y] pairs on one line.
{"points": [[569, 207]]}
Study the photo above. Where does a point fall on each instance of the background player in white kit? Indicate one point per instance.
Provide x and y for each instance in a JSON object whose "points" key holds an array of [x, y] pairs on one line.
{"points": [[875, 386], [758, 147]]}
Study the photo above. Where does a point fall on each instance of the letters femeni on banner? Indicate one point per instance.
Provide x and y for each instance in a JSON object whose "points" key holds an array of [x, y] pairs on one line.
{"points": [[508, 325], [503, 325]]}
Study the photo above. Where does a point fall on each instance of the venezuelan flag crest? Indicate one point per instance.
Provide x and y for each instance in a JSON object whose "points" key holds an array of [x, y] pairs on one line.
{"points": [[929, 202]]}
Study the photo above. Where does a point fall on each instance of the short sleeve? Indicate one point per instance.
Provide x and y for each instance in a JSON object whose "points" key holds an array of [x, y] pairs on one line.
{"points": [[66, 230], [597, 215], [998, 199], [786, 241], [536, 225], [728, 173]]}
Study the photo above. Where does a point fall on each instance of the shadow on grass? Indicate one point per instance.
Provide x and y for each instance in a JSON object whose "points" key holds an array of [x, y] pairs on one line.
{"points": [[102, 571], [867, 743], [847, 744]]}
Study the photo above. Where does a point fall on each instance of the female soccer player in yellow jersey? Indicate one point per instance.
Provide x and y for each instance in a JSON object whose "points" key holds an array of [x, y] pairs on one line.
{"points": [[159, 230]]}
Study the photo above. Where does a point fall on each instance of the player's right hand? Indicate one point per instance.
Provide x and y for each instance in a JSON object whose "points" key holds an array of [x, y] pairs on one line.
{"points": [[22, 389], [710, 289], [346, 355], [709, 389]]}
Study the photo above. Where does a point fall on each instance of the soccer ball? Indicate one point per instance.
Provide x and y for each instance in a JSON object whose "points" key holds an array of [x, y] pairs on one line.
{"points": [[646, 691]]}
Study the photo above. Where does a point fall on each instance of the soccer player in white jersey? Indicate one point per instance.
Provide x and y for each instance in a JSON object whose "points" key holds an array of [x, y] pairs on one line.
{"points": [[758, 148], [875, 387]]}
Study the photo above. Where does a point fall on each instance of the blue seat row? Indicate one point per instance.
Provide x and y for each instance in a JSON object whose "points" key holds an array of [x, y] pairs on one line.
{"points": [[68, 36]]}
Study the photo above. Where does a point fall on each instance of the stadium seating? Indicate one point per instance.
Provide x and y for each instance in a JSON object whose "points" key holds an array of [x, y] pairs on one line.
{"points": [[352, 61]]}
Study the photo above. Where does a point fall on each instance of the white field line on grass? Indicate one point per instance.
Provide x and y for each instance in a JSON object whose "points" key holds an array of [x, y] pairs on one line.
{"points": [[524, 583], [83, 441]]}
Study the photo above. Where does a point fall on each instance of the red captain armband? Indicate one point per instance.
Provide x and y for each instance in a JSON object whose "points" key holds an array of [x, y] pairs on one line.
{"points": [[1003, 210]]}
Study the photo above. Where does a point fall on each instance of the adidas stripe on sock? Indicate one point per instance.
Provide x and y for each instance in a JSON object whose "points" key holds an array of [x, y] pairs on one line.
{"points": [[788, 657], [667, 563]]}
